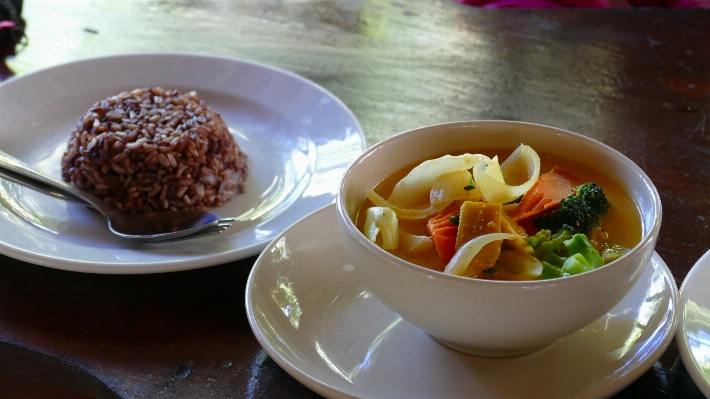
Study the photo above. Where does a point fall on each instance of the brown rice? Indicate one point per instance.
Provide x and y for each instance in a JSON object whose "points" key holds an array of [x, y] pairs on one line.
{"points": [[152, 149]]}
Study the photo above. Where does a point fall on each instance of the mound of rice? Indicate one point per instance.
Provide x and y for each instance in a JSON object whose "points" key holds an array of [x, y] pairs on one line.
{"points": [[152, 149]]}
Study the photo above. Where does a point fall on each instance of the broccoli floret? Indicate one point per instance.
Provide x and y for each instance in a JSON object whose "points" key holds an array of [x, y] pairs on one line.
{"points": [[555, 260], [550, 271], [564, 253], [580, 245], [578, 213], [593, 196], [576, 264], [539, 238], [582, 256], [545, 243]]}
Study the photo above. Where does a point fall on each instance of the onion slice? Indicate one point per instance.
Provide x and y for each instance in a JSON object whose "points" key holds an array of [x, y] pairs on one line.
{"points": [[463, 257], [491, 177], [414, 188], [451, 187], [413, 242], [401, 212], [384, 221]]}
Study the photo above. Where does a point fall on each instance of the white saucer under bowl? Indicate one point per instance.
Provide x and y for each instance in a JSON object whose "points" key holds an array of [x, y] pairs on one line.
{"points": [[316, 319], [693, 335]]}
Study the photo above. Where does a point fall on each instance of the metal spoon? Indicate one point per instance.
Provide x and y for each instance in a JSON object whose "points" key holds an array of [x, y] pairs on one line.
{"points": [[147, 227]]}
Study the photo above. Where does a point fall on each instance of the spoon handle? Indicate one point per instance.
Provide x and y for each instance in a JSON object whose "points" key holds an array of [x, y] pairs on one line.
{"points": [[15, 170], [41, 187]]}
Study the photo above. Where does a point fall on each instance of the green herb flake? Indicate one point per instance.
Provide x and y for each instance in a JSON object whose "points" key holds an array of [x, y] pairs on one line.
{"points": [[515, 201], [471, 185]]}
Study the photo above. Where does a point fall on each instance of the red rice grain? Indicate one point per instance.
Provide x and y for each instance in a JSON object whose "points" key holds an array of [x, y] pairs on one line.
{"points": [[152, 149]]}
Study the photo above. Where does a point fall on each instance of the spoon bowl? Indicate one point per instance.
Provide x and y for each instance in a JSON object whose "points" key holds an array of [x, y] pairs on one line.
{"points": [[158, 226]]}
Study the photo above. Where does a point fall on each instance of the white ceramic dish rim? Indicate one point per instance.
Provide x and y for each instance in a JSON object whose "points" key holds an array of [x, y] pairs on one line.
{"points": [[646, 240], [324, 388], [689, 360], [170, 263]]}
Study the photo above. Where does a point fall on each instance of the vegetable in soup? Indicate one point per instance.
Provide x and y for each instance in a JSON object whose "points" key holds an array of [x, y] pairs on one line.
{"points": [[534, 216]]}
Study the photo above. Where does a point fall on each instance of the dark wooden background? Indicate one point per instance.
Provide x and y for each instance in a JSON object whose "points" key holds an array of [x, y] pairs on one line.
{"points": [[637, 80]]}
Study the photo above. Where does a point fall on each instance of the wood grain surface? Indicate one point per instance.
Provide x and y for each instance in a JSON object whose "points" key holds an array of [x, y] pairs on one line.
{"points": [[635, 79]]}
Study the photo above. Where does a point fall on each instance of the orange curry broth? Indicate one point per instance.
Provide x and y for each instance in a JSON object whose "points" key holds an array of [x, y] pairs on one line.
{"points": [[622, 222]]}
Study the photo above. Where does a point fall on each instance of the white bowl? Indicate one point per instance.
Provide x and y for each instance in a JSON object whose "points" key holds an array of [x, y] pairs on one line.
{"points": [[485, 317]]}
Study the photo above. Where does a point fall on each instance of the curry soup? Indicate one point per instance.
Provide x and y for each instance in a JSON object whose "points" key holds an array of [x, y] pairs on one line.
{"points": [[622, 222]]}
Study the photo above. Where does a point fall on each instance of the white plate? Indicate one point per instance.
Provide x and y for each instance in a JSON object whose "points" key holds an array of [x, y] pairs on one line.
{"points": [[315, 318], [693, 335], [299, 138]]}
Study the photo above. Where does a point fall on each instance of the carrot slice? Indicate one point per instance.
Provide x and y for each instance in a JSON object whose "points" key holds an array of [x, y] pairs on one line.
{"points": [[443, 232], [546, 193]]}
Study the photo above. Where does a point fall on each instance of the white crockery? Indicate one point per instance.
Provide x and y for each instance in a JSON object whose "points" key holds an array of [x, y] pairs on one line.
{"points": [[317, 320], [299, 138], [693, 336], [483, 317]]}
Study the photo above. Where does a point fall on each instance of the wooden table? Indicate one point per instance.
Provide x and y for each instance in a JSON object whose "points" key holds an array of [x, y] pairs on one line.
{"points": [[637, 80]]}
